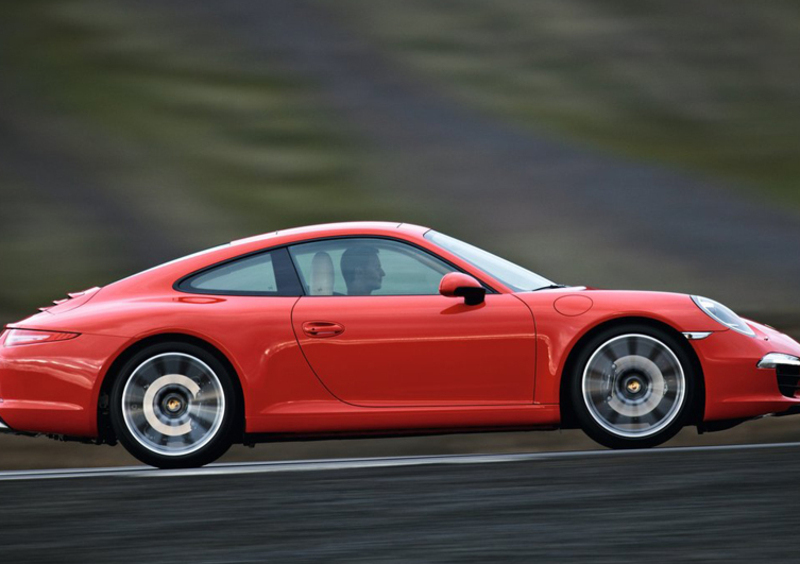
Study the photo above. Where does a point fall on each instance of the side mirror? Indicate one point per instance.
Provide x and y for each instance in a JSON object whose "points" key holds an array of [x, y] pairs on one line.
{"points": [[460, 285]]}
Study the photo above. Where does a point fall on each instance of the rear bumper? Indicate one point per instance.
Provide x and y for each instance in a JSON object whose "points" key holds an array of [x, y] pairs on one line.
{"points": [[6, 430], [52, 388]]}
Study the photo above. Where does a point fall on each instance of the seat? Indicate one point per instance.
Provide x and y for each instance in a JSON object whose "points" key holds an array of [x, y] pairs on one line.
{"points": [[321, 283]]}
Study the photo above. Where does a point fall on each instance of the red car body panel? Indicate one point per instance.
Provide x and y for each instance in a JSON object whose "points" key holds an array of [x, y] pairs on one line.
{"points": [[422, 351], [52, 388], [398, 363]]}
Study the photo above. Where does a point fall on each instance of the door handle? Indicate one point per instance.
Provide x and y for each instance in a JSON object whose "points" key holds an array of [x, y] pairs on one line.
{"points": [[322, 329]]}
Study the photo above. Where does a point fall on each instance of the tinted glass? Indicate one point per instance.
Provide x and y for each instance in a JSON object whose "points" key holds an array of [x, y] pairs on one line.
{"points": [[367, 267], [262, 274]]}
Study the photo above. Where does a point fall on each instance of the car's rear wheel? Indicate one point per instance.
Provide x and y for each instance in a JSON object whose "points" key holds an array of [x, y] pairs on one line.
{"points": [[632, 387], [174, 406]]}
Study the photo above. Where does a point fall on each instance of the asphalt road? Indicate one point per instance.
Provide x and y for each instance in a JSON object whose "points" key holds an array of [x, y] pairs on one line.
{"points": [[707, 504]]}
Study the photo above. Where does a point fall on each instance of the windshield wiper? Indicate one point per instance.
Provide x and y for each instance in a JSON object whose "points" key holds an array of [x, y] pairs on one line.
{"points": [[551, 287]]}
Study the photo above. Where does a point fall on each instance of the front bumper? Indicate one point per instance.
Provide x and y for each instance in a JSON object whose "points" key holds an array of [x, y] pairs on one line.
{"points": [[747, 377], [776, 360], [787, 370]]}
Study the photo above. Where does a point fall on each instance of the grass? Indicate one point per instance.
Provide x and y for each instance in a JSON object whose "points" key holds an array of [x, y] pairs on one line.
{"points": [[704, 86]]}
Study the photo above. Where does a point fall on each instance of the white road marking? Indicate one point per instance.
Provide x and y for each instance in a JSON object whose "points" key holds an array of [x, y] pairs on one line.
{"points": [[239, 468]]}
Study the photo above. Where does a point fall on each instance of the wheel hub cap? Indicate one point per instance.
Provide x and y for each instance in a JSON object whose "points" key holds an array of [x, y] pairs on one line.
{"points": [[174, 405], [634, 386]]}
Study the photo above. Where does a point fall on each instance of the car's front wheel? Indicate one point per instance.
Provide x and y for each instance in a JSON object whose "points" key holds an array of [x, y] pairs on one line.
{"points": [[174, 406], [632, 387]]}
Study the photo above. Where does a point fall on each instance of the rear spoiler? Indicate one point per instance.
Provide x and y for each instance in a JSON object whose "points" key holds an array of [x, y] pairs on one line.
{"points": [[73, 299]]}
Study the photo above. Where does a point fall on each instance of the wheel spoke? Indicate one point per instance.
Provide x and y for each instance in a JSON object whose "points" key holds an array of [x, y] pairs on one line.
{"points": [[613, 417], [654, 416], [609, 355], [654, 353], [669, 372]]}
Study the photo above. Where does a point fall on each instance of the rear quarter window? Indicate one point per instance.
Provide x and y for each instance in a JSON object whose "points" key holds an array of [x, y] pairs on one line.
{"points": [[268, 274]]}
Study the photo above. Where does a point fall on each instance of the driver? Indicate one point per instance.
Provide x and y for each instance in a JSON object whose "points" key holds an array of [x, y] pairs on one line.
{"points": [[361, 270]]}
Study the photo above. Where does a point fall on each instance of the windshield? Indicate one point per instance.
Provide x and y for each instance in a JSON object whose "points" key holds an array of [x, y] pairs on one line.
{"points": [[512, 275]]}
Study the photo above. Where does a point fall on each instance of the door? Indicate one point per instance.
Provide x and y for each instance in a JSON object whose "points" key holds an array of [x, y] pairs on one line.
{"points": [[377, 333]]}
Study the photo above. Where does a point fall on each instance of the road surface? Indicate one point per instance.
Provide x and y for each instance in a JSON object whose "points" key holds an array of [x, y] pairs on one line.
{"points": [[699, 504]]}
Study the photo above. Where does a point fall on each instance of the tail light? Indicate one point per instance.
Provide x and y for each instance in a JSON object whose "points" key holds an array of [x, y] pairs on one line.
{"points": [[15, 337]]}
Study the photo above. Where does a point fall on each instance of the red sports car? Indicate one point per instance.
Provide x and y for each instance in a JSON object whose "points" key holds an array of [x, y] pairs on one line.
{"points": [[373, 329]]}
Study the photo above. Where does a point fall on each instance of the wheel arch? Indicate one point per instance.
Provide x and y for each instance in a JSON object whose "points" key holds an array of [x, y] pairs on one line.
{"points": [[568, 420], [104, 427]]}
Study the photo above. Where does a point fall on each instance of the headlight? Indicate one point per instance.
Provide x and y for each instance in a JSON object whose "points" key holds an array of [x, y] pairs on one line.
{"points": [[719, 312]]}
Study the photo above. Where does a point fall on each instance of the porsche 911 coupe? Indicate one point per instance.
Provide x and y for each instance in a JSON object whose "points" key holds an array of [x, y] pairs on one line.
{"points": [[377, 329]]}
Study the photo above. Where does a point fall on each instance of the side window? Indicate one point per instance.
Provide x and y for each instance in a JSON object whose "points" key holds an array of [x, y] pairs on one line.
{"points": [[367, 267], [269, 273]]}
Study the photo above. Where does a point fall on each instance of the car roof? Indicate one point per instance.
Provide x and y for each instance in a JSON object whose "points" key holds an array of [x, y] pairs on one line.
{"points": [[163, 275], [325, 229]]}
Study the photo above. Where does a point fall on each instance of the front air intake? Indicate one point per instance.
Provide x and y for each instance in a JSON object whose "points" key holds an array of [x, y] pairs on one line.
{"points": [[788, 380]]}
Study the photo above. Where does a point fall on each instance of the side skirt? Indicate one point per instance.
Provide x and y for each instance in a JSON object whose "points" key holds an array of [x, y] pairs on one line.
{"points": [[252, 439], [337, 419]]}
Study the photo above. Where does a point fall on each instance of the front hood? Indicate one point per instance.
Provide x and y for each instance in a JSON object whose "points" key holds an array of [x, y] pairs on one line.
{"points": [[579, 303]]}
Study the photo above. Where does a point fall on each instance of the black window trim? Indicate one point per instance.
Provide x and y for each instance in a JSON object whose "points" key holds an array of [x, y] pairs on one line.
{"points": [[180, 285]]}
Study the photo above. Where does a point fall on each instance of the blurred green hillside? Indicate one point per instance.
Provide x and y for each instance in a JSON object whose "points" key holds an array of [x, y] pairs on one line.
{"points": [[160, 117], [180, 139], [711, 87]]}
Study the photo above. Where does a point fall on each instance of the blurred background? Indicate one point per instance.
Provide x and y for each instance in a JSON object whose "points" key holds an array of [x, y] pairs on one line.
{"points": [[636, 144]]}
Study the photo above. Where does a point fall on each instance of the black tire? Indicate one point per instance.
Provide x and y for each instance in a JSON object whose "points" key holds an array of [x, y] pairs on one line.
{"points": [[632, 386], [174, 405]]}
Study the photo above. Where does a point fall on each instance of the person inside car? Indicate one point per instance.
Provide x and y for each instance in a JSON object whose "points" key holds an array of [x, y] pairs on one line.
{"points": [[361, 270]]}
